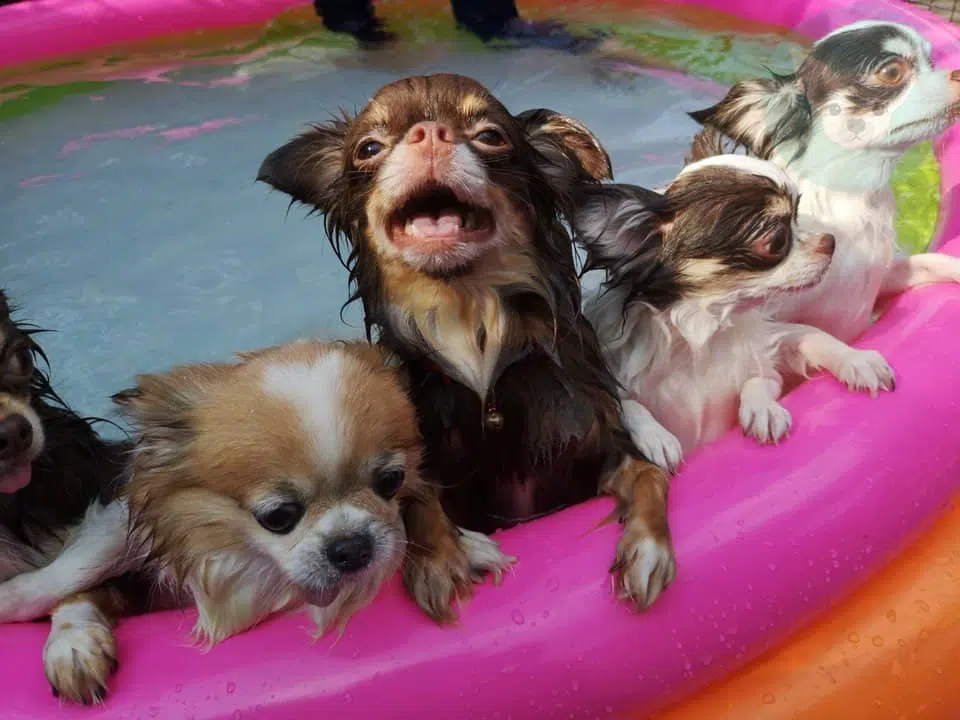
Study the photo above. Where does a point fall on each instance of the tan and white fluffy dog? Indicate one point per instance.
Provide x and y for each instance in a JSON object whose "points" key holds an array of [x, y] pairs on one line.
{"points": [[292, 477]]}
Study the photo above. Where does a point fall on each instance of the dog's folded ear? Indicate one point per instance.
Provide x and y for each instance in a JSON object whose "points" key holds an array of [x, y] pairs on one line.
{"points": [[569, 150], [160, 408], [761, 114], [308, 167], [616, 222]]}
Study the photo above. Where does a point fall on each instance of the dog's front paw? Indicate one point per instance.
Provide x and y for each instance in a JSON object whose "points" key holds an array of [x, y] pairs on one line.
{"points": [[484, 556], [78, 660], [658, 445], [866, 370], [766, 421], [439, 580], [643, 567]]}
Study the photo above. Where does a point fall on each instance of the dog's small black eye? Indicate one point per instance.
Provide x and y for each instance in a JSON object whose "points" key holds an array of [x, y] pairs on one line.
{"points": [[834, 109], [387, 482], [770, 246], [22, 360], [369, 149], [281, 519], [490, 137]]}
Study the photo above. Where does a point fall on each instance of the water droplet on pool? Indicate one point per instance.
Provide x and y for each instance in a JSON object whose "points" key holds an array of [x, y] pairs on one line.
{"points": [[901, 642], [679, 646], [608, 709], [553, 584], [237, 715], [688, 665], [231, 688], [938, 670], [575, 686], [877, 641], [854, 637], [545, 614], [923, 606], [347, 698], [518, 618], [178, 688], [892, 615], [769, 699]]}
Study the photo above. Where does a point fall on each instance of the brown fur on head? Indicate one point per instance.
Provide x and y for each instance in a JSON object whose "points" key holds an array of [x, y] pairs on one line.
{"points": [[452, 209], [274, 480]]}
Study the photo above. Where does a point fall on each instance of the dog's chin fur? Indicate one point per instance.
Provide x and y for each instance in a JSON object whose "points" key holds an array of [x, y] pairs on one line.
{"points": [[516, 405], [680, 314], [309, 424], [839, 137]]}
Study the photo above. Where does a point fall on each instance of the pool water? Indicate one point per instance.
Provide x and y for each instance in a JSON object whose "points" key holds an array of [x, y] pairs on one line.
{"points": [[132, 224]]}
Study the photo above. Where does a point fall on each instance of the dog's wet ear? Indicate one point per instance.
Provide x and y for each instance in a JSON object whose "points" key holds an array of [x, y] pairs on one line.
{"points": [[308, 166], [616, 223], [761, 114], [571, 149]]}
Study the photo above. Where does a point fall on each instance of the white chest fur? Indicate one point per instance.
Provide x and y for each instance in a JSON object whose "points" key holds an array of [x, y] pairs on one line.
{"points": [[693, 391], [863, 225]]}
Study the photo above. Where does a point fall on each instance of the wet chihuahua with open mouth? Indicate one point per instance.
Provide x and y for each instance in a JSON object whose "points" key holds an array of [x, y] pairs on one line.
{"points": [[865, 94], [291, 477], [682, 314], [453, 209]]}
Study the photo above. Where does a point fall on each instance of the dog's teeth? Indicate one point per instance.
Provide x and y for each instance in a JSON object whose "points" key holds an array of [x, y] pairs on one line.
{"points": [[411, 228]]}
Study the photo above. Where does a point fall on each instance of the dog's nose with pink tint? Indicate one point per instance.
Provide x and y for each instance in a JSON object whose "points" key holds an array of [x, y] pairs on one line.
{"points": [[826, 244], [430, 133]]}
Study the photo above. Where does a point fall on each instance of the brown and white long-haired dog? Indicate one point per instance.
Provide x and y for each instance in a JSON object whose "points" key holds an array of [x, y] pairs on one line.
{"points": [[63, 530], [291, 477], [453, 209]]}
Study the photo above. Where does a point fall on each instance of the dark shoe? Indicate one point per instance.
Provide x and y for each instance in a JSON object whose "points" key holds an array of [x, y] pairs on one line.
{"points": [[547, 34]]}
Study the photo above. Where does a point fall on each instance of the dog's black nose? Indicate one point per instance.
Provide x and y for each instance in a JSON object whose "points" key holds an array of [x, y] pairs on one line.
{"points": [[16, 435], [351, 554], [856, 125]]}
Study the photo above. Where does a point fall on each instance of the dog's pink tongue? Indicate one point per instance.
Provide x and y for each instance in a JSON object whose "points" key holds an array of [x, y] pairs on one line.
{"points": [[430, 226], [16, 479]]}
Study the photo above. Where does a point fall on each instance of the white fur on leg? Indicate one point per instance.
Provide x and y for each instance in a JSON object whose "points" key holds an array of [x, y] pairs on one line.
{"points": [[80, 653], [96, 550], [761, 416], [916, 270], [857, 369], [484, 555], [657, 443], [646, 566]]}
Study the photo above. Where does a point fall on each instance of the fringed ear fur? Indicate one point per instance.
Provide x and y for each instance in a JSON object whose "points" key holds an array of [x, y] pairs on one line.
{"points": [[568, 152], [616, 222], [760, 114], [160, 407], [308, 167]]}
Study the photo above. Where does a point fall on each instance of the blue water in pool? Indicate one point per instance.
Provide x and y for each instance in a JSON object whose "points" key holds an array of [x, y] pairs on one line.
{"points": [[132, 226]]}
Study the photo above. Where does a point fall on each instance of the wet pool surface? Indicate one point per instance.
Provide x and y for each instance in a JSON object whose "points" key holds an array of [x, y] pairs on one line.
{"points": [[133, 227]]}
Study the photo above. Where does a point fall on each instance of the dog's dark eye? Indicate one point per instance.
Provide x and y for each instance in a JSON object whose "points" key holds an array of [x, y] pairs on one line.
{"points": [[22, 361], [281, 519], [892, 73], [369, 149], [770, 246], [387, 482], [490, 137]]}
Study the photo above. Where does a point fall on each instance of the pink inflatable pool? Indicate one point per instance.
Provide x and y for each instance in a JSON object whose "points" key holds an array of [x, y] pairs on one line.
{"points": [[767, 538]]}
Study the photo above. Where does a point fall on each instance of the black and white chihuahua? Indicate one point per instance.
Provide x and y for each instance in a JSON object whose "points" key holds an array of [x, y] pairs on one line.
{"points": [[682, 313], [61, 531], [865, 94]]}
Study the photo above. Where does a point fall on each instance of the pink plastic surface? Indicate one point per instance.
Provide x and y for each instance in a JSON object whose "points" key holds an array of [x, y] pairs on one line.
{"points": [[766, 537]]}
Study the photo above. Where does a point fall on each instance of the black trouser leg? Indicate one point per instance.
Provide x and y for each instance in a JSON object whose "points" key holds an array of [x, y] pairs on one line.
{"points": [[346, 16], [485, 18]]}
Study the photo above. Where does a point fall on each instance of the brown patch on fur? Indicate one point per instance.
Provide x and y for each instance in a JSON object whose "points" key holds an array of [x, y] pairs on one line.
{"points": [[80, 657]]}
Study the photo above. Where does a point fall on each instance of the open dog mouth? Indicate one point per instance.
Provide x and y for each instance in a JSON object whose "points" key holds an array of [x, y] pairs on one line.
{"points": [[436, 216]]}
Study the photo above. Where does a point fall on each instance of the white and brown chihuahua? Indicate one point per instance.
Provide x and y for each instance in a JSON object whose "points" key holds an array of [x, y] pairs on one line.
{"points": [[682, 312], [288, 478], [865, 94], [453, 210]]}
